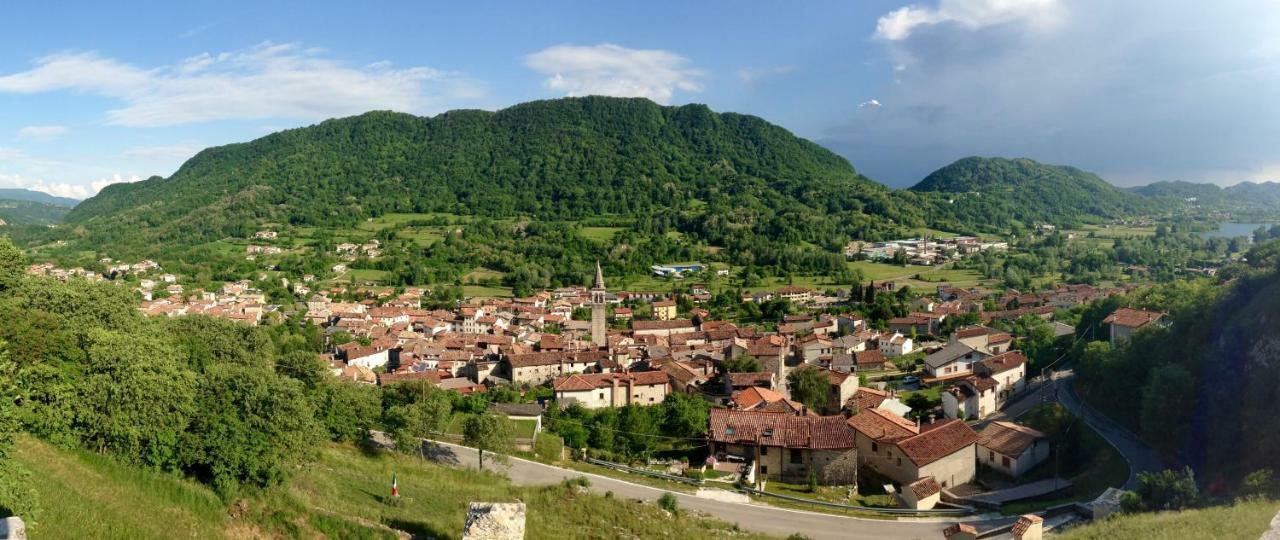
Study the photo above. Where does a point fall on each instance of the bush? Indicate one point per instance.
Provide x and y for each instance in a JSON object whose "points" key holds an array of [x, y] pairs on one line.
{"points": [[1259, 483], [694, 474], [1165, 490], [669, 503], [577, 481], [548, 447], [798, 536]]}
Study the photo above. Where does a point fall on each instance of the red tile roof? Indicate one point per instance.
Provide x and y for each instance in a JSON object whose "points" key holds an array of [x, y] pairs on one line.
{"points": [[1004, 362], [924, 487], [937, 440], [867, 398], [1024, 523], [1008, 438], [1132, 318], [591, 381], [784, 430], [555, 357], [882, 426]]}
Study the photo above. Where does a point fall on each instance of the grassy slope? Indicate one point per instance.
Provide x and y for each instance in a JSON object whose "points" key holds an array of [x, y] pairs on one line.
{"points": [[1242, 520], [340, 495]]}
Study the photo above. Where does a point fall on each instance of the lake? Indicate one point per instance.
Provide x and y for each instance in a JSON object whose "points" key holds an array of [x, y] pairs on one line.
{"points": [[1231, 230]]}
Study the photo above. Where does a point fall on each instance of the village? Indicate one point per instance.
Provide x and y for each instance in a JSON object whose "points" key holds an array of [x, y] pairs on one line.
{"points": [[598, 348]]}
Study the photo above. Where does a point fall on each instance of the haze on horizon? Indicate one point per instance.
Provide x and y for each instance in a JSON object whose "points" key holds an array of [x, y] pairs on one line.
{"points": [[1136, 91]]}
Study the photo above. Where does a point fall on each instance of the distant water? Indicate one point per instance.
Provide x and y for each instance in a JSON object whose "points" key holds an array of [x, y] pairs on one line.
{"points": [[1231, 230]]}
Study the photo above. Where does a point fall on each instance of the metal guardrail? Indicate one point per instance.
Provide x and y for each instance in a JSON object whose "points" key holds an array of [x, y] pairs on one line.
{"points": [[646, 472], [891, 511]]}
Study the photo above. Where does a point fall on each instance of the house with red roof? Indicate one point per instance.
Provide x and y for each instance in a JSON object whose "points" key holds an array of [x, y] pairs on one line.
{"points": [[600, 390], [785, 446], [1125, 321], [1012, 448], [995, 380], [906, 451]]}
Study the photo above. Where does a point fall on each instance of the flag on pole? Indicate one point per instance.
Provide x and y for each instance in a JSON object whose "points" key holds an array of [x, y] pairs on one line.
{"points": [[395, 486]]}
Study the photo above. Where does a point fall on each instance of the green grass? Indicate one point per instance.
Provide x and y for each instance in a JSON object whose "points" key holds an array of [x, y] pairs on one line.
{"points": [[368, 274], [523, 428], [832, 494], [341, 495], [1241, 520], [480, 291], [601, 234], [481, 274]]}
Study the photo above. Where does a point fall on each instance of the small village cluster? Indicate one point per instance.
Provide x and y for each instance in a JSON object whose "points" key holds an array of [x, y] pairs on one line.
{"points": [[924, 251], [756, 428]]}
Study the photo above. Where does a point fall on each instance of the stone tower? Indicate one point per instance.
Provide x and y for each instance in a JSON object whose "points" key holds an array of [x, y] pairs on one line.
{"points": [[599, 330]]}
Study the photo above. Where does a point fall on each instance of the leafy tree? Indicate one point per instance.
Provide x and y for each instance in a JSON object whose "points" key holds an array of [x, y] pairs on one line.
{"points": [[16, 497], [347, 410], [740, 364], [639, 429], [253, 428], [809, 386], [684, 415], [137, 399], [420, 419], [304, 367], [12, 264], [488, 432]]}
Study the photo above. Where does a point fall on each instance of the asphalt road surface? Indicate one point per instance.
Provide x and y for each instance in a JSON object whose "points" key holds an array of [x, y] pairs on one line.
{"points": [[750, 516], [1141, 458]]}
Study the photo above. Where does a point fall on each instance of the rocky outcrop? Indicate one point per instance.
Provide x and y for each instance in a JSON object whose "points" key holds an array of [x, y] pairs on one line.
{"points": [[494, 521]]}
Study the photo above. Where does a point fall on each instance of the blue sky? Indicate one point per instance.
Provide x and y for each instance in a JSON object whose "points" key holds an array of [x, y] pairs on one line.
{"points": [[1138, 91]]}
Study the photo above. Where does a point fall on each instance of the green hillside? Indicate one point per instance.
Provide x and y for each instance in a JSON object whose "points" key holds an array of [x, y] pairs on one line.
{"points": [[566, 159], [85, 495], [999, 193]]}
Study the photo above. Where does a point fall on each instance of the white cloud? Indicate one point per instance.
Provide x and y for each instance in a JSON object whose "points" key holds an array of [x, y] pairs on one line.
{"points": [[266, 81], [899, 23], [869, 103], [612, 70], [751, 75], [42, 133], [11, 153], [176, 151], [62, 189]]}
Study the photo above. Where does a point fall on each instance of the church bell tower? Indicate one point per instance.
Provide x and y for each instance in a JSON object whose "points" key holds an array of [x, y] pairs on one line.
{"points": [[599, 330]]}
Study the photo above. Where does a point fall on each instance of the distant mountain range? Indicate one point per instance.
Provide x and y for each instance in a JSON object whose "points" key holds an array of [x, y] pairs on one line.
{"points": [[1249, 197], [16, 194]]}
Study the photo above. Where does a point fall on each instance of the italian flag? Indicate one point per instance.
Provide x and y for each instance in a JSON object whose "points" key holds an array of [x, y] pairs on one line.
{"points": [[395, 486]]}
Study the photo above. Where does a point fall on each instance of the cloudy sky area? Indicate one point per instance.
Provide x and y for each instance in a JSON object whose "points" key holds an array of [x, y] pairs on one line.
{"points": [[1136, 91]]}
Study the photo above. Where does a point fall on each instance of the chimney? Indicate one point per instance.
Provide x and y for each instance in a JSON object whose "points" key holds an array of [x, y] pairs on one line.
{"points": [[917, 423]]}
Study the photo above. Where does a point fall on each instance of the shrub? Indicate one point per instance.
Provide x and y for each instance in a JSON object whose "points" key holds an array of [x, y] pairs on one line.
{"points": [[577, 481], [548, 447], [669, 503], [798, 536], [695, 474], [1165, 490], [1259, 483]]}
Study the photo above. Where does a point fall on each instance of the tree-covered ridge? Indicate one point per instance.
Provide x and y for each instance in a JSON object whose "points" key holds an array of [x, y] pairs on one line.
{"points": [[23, 212], [561, 159], [999, 193]]}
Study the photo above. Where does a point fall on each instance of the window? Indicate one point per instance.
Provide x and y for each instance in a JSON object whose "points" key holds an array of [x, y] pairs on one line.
{"points": [[993, 456], [875, 447], [1004, 461], [797, 456], [764, 469], [602, 396], [764, 450], [899, 462]]}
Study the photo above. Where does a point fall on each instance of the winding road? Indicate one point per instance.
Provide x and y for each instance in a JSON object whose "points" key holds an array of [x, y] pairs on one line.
{"points": [[1141, 458], [751, 516]]}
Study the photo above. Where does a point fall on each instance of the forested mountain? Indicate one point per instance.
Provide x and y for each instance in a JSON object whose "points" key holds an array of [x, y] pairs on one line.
{"points": [[705, 173], [999, 193], [15, 194], [22, 212]]}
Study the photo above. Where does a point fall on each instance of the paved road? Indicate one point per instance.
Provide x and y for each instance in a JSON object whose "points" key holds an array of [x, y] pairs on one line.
{"points": [[750, 516], [1141, 458]]}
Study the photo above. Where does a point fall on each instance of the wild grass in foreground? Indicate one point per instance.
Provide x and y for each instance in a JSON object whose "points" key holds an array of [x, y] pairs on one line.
{"points": [[1243, 520], [343, 494]]}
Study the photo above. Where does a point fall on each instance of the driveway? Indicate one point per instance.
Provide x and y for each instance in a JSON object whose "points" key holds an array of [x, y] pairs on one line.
{"points": [[751, 516]]}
